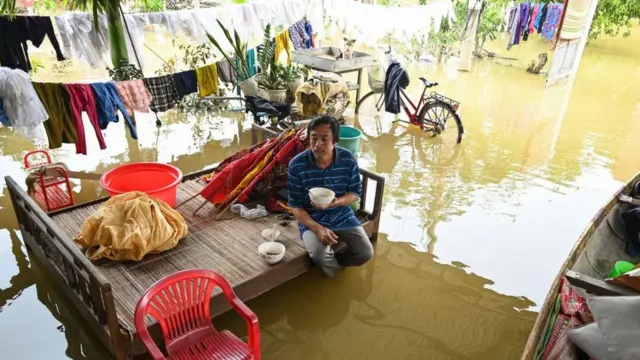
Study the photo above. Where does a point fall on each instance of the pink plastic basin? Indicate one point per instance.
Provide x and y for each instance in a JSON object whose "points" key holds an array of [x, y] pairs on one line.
{"points": [[155, 179]]}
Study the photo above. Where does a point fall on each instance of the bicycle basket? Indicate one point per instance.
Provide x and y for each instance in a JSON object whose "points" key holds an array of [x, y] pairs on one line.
{"points": [[376, 75]]}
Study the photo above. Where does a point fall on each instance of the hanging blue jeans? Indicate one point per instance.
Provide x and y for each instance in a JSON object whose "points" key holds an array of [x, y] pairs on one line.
{"points": [[107, 102]]}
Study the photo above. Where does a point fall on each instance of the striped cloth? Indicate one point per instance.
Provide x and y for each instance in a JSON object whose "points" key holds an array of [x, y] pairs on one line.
{"points": [[575, 19], [343, 176]]}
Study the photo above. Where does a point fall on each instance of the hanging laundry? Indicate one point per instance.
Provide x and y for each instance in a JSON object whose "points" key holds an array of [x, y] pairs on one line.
{"points": [[4, 120], [534, 14], [512, 16], [86, 42], [61, 128], [251, 62], [311, 43], [554, 14], [108, 101], [507, 16], [298, 35], [542, 14], [134, 95], [22, 106], [17, 31], [513, 28], [83, 99], [186, 83], [283, 44], [207, 80], [226, 73], [164, 93], [524, 16]]}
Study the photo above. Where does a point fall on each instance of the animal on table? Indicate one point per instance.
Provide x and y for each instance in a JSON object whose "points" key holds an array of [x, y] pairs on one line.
{"points": [[346, 52], [535, 68]]}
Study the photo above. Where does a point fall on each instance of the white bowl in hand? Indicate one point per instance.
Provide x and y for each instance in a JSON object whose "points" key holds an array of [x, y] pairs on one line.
{"points": [[321, 196], [272, 252]]}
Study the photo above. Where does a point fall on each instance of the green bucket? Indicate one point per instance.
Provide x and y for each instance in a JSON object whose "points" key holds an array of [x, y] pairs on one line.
{"points": [[350, 138], [620, 268]]}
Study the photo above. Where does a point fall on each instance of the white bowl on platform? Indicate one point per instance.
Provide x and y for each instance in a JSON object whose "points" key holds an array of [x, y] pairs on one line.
{"points": [[266, 234], [272, 252]]}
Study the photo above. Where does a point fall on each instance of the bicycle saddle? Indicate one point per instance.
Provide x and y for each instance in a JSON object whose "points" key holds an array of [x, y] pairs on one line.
{"points": [[427, 83]]}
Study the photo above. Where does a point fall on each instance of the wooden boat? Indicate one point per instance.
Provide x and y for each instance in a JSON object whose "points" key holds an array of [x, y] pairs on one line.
{"points": [[593, 256]]}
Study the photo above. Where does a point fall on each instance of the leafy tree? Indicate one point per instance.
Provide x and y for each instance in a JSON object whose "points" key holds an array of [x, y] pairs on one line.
{"points": [[613, 16]]}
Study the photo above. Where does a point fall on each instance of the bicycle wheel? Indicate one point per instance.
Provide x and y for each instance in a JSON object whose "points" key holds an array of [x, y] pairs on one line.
{"points": [[435, 117], [372, 104]]}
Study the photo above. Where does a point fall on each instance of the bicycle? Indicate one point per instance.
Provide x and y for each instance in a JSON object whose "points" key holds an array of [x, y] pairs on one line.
{"points": [[432, 111]]}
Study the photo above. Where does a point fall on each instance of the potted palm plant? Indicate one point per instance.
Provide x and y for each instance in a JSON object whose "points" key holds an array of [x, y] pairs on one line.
{"points": [[270, 78], [239, 61]]}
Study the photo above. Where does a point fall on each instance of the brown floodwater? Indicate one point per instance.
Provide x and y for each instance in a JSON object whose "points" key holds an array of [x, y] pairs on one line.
{"points": [[469, 244]]}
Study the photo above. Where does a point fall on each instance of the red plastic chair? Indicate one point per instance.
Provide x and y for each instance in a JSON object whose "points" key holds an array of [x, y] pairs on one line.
{"points": [[180, 303]]}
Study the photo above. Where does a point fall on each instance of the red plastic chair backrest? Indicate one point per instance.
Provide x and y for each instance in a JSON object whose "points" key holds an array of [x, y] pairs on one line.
{"points": [[180, 303]]}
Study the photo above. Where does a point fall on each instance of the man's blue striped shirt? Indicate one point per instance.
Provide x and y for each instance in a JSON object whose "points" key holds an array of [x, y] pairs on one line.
{"points": [[342, 176]]}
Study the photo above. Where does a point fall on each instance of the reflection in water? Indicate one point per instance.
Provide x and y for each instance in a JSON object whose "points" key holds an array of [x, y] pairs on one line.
{"points": [[470, 239], [402, 305]]}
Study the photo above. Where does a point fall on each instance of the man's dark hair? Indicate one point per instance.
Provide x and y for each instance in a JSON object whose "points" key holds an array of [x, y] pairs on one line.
{"points": [[325, 120]]}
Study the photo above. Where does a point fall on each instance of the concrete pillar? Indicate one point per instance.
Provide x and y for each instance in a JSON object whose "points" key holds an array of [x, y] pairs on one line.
{"points": [[468, 44]]}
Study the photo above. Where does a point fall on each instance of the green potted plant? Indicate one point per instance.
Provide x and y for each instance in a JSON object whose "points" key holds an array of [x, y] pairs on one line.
{"points": [[292, 76], [247, 83], [270, 76]]}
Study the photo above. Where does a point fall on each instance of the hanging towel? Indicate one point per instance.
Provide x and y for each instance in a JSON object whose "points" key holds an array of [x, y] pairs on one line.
{"points": [[163, 91], [16, 32], [283, 44], [134, 95], [186, 83], [207, 80], [226, 72], [4, 120], [61, 128], [298, 35], [22, 106], [108, 101], [82, 99]]}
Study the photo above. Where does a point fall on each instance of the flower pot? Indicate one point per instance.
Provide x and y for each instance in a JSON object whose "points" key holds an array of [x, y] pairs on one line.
{"points": [[295, 85], [249, 87], [277, 95]]}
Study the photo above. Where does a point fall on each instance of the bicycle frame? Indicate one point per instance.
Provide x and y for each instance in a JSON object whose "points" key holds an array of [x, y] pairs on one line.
{"points": [[406, 102]]}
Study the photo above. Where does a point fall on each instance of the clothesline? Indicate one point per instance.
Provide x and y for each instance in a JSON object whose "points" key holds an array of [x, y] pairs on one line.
{"points": [[59, 106], [81, 41]]}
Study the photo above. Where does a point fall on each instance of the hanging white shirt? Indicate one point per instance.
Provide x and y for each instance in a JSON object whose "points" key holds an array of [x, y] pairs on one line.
{"points": [[22, 105]]}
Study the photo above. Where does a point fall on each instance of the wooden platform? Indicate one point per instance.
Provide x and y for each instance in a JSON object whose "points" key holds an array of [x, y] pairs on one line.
{"points": [[105, 293], [227, 246]]}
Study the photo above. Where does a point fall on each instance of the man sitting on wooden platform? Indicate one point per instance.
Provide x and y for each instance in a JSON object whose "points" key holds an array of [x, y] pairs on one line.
{"points": [[332, 167]]}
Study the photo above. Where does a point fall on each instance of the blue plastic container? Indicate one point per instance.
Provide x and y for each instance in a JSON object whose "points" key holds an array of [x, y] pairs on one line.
{"points": [[350, 138]]}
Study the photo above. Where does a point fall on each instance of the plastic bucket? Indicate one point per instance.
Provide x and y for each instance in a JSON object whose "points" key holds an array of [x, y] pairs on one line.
{"points": [[350, 138], [620, 268], [155, 179]]}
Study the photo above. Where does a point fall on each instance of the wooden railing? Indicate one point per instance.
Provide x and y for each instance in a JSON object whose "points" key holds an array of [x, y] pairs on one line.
{"points": [[81, 281]]}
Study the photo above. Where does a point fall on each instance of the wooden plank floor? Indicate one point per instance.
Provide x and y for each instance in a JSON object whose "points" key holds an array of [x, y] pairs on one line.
{"points": [[228, 246]]}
